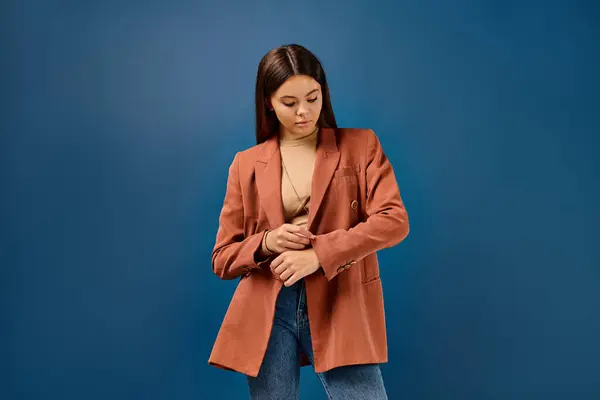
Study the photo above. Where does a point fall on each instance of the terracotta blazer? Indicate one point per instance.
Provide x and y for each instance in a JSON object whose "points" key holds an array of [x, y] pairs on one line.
{"points": [[355, 210]]}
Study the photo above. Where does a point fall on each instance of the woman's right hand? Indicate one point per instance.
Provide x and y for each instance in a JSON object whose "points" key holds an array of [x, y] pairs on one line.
{"points": [[288, 237]]}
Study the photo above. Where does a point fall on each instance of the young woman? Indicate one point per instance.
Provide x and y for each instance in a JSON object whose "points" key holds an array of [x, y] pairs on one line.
{"points": [[305, 211]]}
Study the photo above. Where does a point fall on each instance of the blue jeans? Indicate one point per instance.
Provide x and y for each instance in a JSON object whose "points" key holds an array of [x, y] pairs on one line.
{"points": [[279, 375]]}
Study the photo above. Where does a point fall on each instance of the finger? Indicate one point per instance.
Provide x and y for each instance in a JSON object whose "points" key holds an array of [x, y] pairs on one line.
{"points": [[301, 238], [299, 231], [305, 232], [293, 279], [294, 245], [286, 274], [278, 260], [281, 264], [288, 227], [275, 275], [274, 267], [280, 270], [292, 237]]}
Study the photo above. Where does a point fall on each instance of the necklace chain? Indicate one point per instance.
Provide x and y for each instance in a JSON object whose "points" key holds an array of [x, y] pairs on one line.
{"points": [[292, 185]]}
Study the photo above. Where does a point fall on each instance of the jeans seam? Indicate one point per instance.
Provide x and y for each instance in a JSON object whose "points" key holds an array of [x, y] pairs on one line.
{"points": [[320, 375], [298, 313], [300, 307]]}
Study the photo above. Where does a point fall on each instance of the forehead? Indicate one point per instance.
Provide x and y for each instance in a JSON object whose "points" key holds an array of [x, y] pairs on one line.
{"points": [[298, 86]]}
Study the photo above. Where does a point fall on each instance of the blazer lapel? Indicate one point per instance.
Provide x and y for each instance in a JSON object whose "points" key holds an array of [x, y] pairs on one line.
{"points": [[326, 161], [268, 181], [268, 176]]}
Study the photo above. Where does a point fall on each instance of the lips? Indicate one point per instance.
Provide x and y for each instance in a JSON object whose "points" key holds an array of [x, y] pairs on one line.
{"points": [[302, 123]]}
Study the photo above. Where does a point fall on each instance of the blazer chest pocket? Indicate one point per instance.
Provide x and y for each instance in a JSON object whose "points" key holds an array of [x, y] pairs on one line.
{"points": [[347, 171], [345, 180]]}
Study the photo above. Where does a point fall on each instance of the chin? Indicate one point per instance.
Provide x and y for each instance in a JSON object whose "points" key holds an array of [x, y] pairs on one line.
{"points": [[304, 129]]}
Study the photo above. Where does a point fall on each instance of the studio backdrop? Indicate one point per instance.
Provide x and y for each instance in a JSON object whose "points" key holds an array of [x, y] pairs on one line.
{"points": [[121, 119]]}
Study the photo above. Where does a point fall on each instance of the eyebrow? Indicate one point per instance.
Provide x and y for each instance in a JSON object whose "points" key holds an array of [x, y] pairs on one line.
{"points": [[292, 97]]}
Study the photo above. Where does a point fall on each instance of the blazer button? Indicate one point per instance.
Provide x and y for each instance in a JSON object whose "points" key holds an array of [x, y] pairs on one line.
{"points": [[354, 204]]}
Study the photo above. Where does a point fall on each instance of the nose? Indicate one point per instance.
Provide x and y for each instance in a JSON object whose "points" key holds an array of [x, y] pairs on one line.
{"points": [[302, 110]]}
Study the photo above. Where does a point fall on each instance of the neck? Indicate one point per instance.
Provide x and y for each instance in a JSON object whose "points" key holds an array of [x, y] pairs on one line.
{"points": [[286, 136]]}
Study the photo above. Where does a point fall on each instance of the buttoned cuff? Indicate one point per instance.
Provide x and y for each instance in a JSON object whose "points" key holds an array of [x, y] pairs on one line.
{"points": [[327, 259]]}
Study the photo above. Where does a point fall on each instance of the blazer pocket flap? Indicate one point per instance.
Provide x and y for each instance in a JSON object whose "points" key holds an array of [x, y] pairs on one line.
{"points": [[347, 170]]}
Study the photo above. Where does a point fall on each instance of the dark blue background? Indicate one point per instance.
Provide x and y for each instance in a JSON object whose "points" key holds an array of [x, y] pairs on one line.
{"points": [[120, 121]]}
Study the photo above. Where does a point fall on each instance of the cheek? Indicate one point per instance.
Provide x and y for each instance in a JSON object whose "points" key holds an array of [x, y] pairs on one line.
{"points": [[317, 107], [285, 115]]}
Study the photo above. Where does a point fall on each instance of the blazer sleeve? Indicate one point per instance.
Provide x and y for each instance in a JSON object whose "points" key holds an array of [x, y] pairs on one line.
{"points": [[233, 254], [386, 224]]}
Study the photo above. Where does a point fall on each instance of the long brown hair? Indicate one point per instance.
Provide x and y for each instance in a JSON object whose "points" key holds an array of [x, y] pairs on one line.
{"points": [[273, 70]]}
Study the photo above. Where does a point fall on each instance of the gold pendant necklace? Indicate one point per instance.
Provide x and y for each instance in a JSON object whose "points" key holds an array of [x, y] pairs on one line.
{"points": [[305, 201]]}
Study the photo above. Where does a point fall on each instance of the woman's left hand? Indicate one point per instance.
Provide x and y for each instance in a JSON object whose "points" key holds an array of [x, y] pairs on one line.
{"points": [[291, 266]]}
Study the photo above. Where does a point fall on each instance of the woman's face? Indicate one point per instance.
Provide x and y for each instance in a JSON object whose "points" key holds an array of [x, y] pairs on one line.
{"points": [[298, 99]]}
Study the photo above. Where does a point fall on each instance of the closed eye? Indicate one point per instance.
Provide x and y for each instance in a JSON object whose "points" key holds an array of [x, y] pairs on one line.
{"points": [[309, 100]]}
